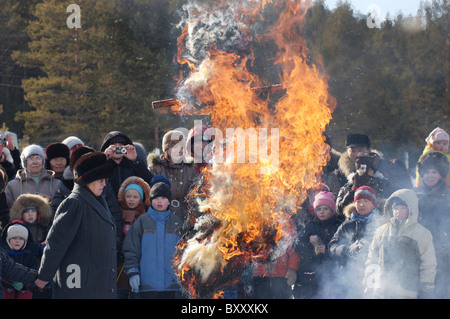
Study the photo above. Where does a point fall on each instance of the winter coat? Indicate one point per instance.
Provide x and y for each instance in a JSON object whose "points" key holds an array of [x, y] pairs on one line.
{"points": [[29, 256], [279, 267], [181, 176], [353, 231], [25, 184], [40, 227], [434, 214], [149, 247], [11, 271], [427, 150], [404, 252], [81, 248], [346, 194], [65, 188], [325, 230], [396, 176]]}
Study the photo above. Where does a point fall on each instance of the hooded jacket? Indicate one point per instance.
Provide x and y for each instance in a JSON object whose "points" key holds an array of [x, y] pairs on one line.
{"points": [[28, 256], [403, 252], [181, 176], [149, 247], [25, 184], [41, 226], [130, 215]]}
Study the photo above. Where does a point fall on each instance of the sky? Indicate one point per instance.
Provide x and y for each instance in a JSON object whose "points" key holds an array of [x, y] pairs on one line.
{"points": [[407, 7]]}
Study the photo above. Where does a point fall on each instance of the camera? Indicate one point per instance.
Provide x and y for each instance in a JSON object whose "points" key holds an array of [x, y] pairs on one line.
{"points": [[3, 138], [121, 150]]}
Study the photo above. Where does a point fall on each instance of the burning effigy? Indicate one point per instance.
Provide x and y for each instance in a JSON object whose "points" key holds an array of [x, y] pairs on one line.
{"points": [[240, 207]]}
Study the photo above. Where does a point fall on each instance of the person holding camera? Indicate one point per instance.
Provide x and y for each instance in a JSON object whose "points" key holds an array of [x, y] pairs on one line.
{"points": [[9, 156], [121, 152]]}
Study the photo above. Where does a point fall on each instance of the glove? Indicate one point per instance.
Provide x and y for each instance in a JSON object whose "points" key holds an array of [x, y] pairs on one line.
{"points": [[17, 285], [135, 281]]}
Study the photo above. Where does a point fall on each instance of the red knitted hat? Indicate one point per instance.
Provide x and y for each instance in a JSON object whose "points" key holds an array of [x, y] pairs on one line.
{"points": [[366, 192]]}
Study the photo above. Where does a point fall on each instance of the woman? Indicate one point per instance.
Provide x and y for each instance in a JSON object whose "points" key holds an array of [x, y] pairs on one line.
{"points": [[172, 164], [33, 178], [81, 244]]}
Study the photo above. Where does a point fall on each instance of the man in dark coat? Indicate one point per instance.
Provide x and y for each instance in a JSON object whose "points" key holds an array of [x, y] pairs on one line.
{"points": [[81, 244], [121, 152]]}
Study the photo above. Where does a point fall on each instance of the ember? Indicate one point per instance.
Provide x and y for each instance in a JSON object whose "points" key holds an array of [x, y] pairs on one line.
{"points": [[239, 211]]}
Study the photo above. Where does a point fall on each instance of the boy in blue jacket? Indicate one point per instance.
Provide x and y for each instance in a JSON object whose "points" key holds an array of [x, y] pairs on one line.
{"points": [[149, 247]]}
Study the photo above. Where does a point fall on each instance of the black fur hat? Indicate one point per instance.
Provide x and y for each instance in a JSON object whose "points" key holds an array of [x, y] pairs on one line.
{"points": [[436, 160], [160, 189], [91, 167], [354, 140]]}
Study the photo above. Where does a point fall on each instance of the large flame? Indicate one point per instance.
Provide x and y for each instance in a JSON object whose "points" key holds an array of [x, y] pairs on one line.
{"points": [[243, 203]]}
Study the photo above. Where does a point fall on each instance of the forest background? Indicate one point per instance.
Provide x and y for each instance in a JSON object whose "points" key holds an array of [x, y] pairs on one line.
{"points": [[391, 82]]}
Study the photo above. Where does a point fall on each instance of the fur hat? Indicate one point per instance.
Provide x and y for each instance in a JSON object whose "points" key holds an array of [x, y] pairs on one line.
{"points": [[77, 153], [32, 149], [55, 150], [160, 189], [437, 134], [137, 181], [115, 137], [72, 141], [366, 192], [354, 140], [32, 200], [91, 167], [325, 198], [170, 139], [435, 160]]}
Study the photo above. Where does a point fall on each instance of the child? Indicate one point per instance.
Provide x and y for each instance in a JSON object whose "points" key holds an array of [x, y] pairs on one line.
{"points": [[149, 246], [434, 207], [313, 242], [401, 257], [18, 244], [134, 200], [438, 140], [35, 211], [349, 245]]}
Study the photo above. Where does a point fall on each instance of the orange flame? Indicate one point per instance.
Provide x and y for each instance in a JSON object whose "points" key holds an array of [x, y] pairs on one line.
{"points": [[250, 200]]}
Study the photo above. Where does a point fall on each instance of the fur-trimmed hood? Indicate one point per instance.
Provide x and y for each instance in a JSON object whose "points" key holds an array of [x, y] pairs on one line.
{"points": [[26, 200], [138, 181]]}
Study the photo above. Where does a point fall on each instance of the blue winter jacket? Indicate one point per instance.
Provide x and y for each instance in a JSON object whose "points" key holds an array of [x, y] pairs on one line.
{"points": [[149, 247]]}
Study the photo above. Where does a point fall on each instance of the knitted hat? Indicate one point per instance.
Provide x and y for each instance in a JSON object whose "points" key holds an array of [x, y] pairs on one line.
{"points": [[17, 230], [72, 141], [354, 140], [437, 134], [325, 198], [55, 150], [171, 139], [366, 192], [32, 149], [137, 188], [435, 160], [115, 137], [91, 167], [160, 190], [159, 178]]}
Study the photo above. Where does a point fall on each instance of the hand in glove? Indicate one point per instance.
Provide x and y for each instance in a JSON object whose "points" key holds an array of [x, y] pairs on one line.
{"points": [[135, 282], [17, 285]]}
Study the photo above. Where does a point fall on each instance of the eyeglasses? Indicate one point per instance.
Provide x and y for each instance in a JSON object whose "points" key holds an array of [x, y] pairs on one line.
{"points": [[34, 159]]}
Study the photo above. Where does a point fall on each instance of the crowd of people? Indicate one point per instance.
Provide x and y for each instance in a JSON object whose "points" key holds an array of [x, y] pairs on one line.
{"points": [[81, 223]]}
